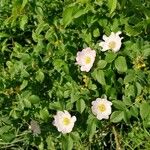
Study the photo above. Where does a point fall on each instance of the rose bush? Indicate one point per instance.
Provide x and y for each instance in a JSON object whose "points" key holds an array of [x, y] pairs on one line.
{"points": [[74, 74]]}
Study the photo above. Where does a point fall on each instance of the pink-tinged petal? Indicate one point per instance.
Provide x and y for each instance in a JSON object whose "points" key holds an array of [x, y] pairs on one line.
{"points": [[93, 52], [54, 123], [98, 100], [101, 44], [88, 49], [106, 117], [67, 113], [105, 47], [84, 68], [59, 113], [109, 103], [93, 102], [112, 34], [81, 59], [118, 33], [101, 114], [74, 119], [104, 37], [99, 117], [114, 37], [116, 49]]}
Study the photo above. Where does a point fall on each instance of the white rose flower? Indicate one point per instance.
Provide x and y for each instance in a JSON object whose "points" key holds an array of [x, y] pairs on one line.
{"points": [[86, 58], [112, 42], [101, 108], [64, 122]]}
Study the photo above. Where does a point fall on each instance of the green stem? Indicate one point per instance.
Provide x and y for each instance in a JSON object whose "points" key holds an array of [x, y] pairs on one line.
{"points": [[118, 147]]}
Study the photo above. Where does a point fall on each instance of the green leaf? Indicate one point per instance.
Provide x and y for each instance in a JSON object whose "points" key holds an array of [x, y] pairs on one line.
{"points": [[127, 101], [146, 122], [132, 31], [41, 27], [138, 88], [96, 33], [134, 111], [144, 110], [67, 15], [41, 146], [129, 78], [67, 143], [8, 137], [120, 64], [2, 34], [24, 3], [75, 136], [82, 1], [91, 128], [112, 4], [69, 105], [99, 76], [101, 64], [14, 114], [23, 22], [67, 94], [24, 84], [86, 36], [127, 116], [110, 57], [129, 90], [79, 12], [110, 91], [55, 106], [50, 143], [4, 129], [80, 105], [119, 104], [39, 76], [34, 99], [72, 12], [26, 103], [117, 116], [44, 114], [60, 64]]}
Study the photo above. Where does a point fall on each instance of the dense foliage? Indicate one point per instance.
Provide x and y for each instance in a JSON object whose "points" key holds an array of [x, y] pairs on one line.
{"points": [[39, 40]]}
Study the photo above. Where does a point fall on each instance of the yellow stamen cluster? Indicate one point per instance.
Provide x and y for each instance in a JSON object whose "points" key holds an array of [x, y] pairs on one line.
{"points": [[87, 60], [101, 107], [112, 45], [66, 121]]}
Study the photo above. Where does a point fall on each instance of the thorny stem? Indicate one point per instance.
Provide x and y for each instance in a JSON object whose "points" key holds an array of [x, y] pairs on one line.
{"points": [[118, 147]]}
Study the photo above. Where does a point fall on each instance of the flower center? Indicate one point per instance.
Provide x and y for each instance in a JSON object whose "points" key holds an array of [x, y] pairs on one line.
{"points": [[66, 121], [87, 60], [112, 45], [101, 107]]}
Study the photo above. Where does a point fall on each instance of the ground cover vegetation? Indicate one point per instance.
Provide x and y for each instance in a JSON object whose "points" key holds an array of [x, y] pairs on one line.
{"points": [[74, 74]]}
